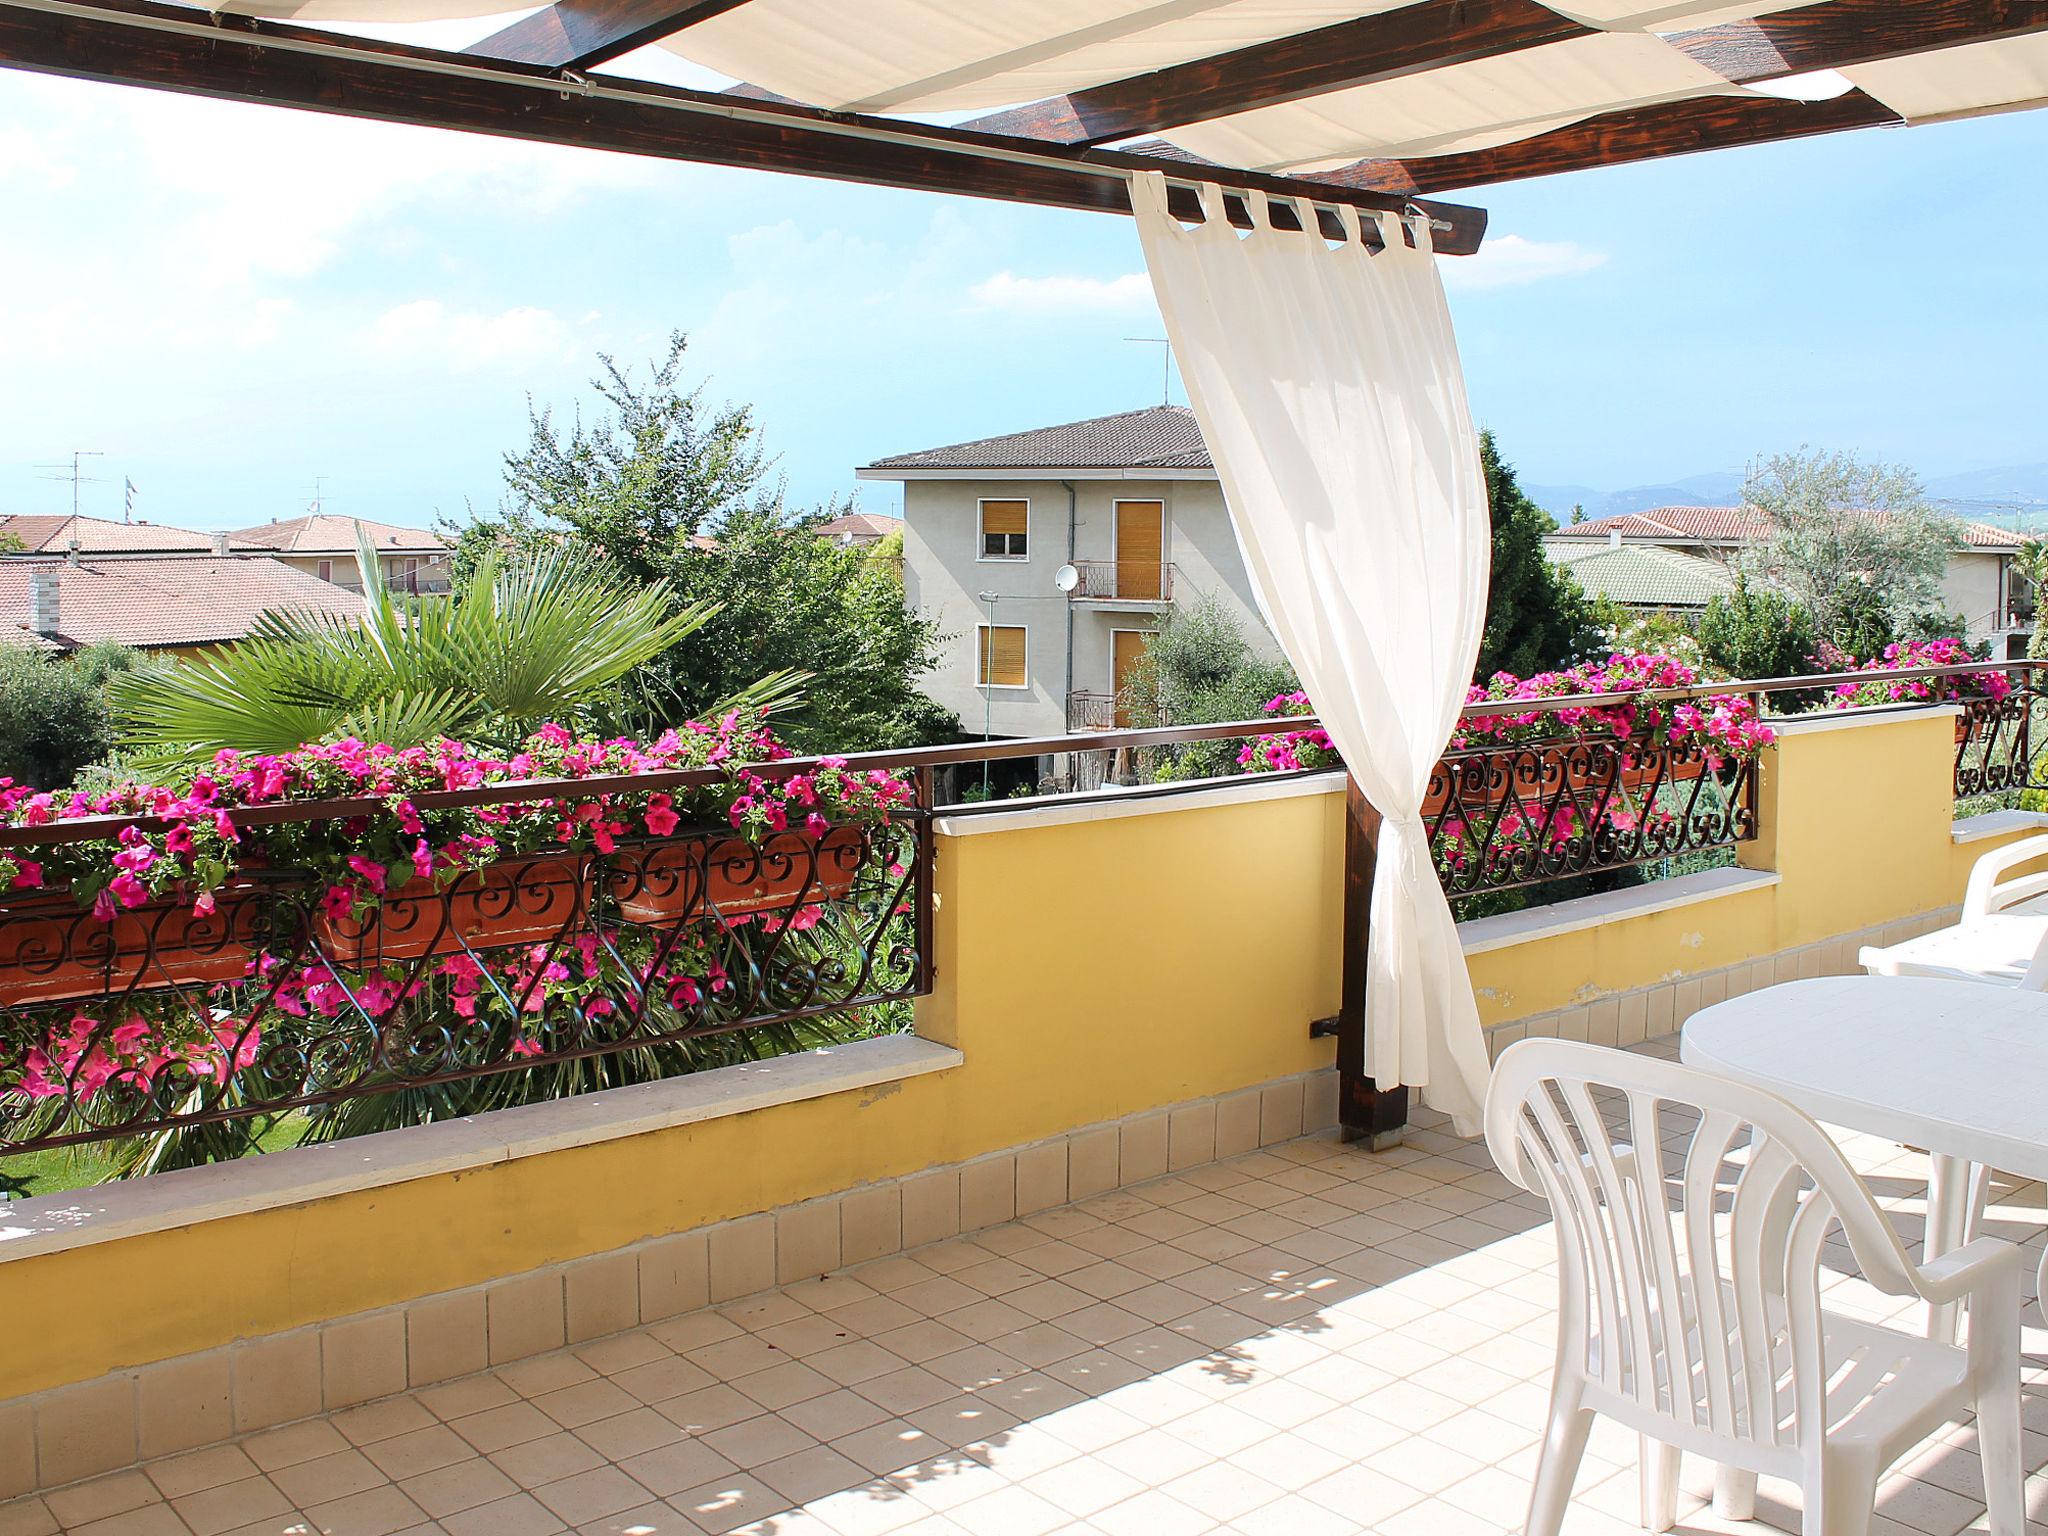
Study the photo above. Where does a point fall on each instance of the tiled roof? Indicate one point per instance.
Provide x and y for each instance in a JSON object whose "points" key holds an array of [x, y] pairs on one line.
{"points": [[860, 525], [167, 601], [1735, 525], [53, 533], [1158, 437], [325, 533], [1644, 575]]}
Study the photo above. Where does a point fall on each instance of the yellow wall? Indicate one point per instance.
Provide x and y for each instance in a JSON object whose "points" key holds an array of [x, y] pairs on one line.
{"points": [[1087, 971]]}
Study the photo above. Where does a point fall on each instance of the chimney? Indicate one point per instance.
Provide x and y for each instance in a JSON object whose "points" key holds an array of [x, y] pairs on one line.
{"points": [[220, 543], [42, 602], [1614, 538], [71, 552]]}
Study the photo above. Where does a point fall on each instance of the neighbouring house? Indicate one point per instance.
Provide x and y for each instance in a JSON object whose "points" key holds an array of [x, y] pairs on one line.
{"points": [[324, 545], [858, 530], [101, 538], [1643, 578], [174, 604], [1126, 508], [1981, 584]]}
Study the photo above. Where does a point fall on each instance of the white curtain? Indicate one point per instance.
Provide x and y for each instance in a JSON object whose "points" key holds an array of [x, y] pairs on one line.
{"points": [[1326, 381]]}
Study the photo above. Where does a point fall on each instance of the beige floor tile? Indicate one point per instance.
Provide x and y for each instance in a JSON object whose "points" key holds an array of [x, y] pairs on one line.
{"points": [[728, 1503], [230, 1506], [326, 1478], [590, 1495], [114, 1494], [375, 1512], [452, 1489]]}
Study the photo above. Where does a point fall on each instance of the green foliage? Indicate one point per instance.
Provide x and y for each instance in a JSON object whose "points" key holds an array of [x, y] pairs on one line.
{"points": [[1199, 669], [1537, 618], [2032, 564], [1756, 632], [671, 490], [1856, 545], [54, 722], [522, 640]]}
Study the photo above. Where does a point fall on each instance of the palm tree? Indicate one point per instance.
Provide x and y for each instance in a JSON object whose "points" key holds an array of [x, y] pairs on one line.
{"points": [[2032, 563], [538, 636]]}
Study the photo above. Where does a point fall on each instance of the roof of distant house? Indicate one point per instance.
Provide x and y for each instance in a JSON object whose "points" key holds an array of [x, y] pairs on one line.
{"points": [[859, 526], [169, 600], [54, 533], [1643, 575], [327, 533], [1734, 525], [1157, 437]]}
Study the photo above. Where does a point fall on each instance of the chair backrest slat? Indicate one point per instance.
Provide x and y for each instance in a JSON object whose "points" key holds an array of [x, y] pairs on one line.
{"points": [[1704, 1160]]}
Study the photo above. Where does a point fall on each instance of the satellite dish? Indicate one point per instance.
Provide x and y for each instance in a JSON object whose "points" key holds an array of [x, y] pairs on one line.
{"points": [[1066, 578]]}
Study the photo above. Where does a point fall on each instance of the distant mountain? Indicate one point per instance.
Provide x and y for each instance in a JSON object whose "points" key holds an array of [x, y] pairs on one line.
{"points": [[2015, 492], [1710, 490]]}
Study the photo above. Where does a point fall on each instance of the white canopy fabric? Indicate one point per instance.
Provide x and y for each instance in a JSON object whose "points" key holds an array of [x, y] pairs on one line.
{"points": [[1327, 384], [938, 56]]}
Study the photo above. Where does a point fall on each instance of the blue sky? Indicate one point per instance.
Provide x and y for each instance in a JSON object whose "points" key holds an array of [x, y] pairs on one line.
{"points": [[229, 301]]}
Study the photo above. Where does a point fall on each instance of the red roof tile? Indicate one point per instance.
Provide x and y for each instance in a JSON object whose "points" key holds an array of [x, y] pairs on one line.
{"points": [[1734, 525], [54, 533], [168, 601], [325, 533]]}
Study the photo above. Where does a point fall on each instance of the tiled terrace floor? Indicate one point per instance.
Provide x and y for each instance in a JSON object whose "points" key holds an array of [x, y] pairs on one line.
{"points": [[1306, 1341]]}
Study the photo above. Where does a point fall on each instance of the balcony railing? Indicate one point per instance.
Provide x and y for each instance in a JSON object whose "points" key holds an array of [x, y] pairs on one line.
{"points": [[1091, 711], [1123, 581], [565, 963], [2001, 743]]}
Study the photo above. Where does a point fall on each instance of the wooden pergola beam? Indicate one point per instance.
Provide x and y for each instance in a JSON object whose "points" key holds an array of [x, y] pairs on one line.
{"points": [[180, 48], [1841, 34], [581, 34], [1617, 138], [1439, 33], [1386, 46]]}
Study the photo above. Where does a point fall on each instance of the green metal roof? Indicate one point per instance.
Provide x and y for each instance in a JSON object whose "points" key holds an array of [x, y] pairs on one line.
{"points": [[1643, 575]]}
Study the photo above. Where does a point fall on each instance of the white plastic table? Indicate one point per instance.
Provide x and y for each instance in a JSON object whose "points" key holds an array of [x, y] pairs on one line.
{"points": [[1957, 1067]]}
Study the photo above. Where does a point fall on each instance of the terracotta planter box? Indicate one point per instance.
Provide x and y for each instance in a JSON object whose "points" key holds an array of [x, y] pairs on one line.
{"points": [[1556, 765], [673, 881], [51, 949], [516, 901]]}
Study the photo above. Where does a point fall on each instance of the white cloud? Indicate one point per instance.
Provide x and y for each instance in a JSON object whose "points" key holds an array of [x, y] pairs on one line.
{"points": [[1067, 291], [1508, 261], [426, 329]]}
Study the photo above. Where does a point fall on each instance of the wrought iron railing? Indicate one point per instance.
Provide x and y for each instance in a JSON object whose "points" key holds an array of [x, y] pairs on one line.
{"points": [[614, 966], [1091, 711], [1521, 814], [599, 968], [1133, 581], [2002, 744]]}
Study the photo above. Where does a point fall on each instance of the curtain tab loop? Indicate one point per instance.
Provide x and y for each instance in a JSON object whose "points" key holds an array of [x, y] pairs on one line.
{"points": [[1347, 215], [1389, 226], [1418, 222], [1214, 209]]}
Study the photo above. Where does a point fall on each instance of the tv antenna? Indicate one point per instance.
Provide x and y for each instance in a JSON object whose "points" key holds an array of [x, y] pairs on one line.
{"points": [[319, 494], [74, 472], [1165, 365]]}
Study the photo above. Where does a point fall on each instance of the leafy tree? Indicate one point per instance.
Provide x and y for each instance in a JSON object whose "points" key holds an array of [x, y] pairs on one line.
{"points": [[673, 490], [1198, 669], [1855, 545], [1536, 615], [53, 712], [2032, 564], [1756, 632], [522, 639]]}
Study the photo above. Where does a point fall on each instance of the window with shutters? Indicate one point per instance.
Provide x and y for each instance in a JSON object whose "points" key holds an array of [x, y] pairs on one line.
{"points": [[1005, 530], [1002, 656]]}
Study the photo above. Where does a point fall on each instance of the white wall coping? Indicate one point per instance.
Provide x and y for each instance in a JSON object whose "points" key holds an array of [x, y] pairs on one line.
{"points": [[1138, 800], [1850, 719], [296, 1175], [1510, 928], [1975, 829]]}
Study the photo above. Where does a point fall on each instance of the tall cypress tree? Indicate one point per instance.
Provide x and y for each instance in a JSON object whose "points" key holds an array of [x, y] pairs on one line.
{"points": [[1537, 618]]}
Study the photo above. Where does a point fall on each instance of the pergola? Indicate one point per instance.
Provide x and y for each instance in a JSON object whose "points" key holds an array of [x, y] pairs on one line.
{"points": [[1321, 101]]}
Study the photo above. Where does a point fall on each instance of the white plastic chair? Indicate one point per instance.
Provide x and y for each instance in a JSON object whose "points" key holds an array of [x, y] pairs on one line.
{"points": [[1689, 1306], [1991, 942]]}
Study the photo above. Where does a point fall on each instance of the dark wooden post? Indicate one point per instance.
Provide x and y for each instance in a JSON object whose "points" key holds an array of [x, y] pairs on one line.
{"points": [[1365, 1111]]}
